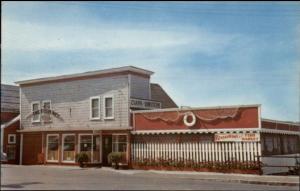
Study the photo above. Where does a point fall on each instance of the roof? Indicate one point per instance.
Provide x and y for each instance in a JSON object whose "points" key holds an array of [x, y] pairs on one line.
{"points": [[88, 74], [279, 121], [10, 98], [159, 94], [196, 108]]}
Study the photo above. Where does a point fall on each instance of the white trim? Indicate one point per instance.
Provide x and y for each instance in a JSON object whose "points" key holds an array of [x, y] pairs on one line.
{"points": [[47, 148], [14, 136], [2, 139], [91, 109], [62, 147], [129, 98], [47, 101], [79, 141], [265, 130], [39, 120], [194, 108], [113, 106], [38, 129], [256, 129], [91, 73]]}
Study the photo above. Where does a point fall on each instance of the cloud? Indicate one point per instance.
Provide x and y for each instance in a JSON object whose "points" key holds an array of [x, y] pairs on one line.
{"points": [[26, 36]]}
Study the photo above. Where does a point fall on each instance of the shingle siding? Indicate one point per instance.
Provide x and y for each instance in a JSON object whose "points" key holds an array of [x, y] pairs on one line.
{"points": [[9, 98], [139, 87], [75, 95]]}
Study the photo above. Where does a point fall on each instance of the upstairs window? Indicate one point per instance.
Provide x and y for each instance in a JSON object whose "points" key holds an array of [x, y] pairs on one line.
{"points": [[94, 108], [108, 107], [35, 107], [47, 111]]}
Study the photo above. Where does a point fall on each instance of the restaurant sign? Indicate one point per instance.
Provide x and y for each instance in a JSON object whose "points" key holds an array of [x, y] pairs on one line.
{"points": [[237, 137], [144, 104]]}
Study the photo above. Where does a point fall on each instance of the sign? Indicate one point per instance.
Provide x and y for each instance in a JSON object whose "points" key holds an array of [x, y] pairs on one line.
{"points": [[237, 137], [144, 104]]}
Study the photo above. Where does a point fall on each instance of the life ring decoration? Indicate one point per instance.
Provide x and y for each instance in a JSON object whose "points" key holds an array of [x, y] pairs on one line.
{"points": [[185, 119]]}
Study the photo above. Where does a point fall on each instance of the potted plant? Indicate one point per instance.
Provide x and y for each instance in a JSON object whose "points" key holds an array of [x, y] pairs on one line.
{"points": [[81, 158], [115, 158]]}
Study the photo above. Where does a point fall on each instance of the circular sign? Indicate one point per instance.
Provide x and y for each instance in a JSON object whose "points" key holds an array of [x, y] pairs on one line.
{"points": [[185, 119]]}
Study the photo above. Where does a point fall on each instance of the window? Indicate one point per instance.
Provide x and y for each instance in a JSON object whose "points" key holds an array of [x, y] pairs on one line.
{"points": [[119, 143], [47, 111], [52, 148], [11, 138], [85, 146], [108, 107], [94, 108], [35, 108], [68, 145], [11, 152]]}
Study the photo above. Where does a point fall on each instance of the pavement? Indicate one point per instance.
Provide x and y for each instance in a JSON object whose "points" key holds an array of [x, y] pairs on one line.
{"points": [[14, 177]]}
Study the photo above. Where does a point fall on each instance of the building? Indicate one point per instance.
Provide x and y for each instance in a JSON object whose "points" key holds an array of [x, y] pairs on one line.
{"points": [[120, 110], [10, 122], [87, 112]]}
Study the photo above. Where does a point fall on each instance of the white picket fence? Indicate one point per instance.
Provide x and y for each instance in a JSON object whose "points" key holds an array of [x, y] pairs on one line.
{"points": [[196, 151]]}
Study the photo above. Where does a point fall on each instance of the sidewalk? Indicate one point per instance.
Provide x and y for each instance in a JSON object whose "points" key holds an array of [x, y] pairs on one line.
{"points": [[221, 177]]}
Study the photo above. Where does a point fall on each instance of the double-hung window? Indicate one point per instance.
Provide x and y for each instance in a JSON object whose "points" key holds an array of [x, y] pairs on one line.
{"points": [[108, 107], [46, 111], [95, 108], [35, 108]]}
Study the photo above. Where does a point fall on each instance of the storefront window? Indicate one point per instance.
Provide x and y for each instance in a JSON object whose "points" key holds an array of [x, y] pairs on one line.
{"points": [[119, 143], [52, 144], [86, 145], [69, 148]]}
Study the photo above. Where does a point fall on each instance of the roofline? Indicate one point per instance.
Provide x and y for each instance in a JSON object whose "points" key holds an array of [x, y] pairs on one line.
{"points": [[88, 74], [279, 121], [194, 108]]}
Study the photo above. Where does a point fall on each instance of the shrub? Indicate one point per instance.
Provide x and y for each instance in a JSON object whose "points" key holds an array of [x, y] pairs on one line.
{"points": [[81, 158], [114, 158]]}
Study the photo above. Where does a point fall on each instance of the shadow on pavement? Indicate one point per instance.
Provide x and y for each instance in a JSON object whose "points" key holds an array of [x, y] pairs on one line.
{"points": [[20, 185]]}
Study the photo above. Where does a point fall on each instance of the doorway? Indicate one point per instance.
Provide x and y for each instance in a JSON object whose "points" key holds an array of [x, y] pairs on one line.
{"points": [[106, 148]]}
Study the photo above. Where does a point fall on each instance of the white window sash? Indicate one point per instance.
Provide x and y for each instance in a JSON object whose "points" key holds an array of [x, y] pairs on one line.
{"points": [[14, 136], [47, 141], [39, 107], [91, 108], [112, 107], [62, 150]]}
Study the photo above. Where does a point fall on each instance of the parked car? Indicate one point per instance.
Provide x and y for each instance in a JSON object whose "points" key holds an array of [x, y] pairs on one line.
{"points": [[3, 157]]}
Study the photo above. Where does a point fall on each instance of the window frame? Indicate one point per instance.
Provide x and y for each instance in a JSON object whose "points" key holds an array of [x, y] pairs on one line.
{"points": [[62, 146], [79, 142], [91, 109], [104, 106], [14, 136], [47, 141], [117, 135], [47, 101], [39, 107]]}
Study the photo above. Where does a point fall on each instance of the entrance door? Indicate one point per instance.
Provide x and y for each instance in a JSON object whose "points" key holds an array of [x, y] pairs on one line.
{"points": [[106, 148]]}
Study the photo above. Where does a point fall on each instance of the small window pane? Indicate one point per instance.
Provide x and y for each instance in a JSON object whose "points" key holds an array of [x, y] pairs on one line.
{"points": [[35, 108], [108, 102], [95, 108], [69, 148], [52, 153]]}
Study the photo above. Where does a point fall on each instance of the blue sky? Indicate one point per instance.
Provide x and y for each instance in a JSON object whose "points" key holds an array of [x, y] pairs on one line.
{"points": [[202, 53]]}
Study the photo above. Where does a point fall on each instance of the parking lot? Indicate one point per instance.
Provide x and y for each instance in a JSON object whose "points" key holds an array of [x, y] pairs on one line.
{"points": [[15, 177]]}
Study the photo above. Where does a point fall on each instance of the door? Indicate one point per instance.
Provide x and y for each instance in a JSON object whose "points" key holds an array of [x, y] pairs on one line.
{"points": [[106, 148], [32, 147]]}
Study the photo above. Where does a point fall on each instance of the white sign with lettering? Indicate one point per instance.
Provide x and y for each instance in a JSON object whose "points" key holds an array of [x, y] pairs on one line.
{"points": [[144, 104], [237, 137]]}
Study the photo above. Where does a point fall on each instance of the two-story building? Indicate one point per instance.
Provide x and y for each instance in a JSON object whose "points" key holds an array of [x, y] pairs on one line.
{"points": [[87, 112]]}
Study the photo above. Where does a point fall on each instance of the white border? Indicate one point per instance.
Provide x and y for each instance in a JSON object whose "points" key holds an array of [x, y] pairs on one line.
{"points": [[39, 120], [47, 148], [62, 148], [79, 141], [98, 117], [14, 136], [113, 105]]}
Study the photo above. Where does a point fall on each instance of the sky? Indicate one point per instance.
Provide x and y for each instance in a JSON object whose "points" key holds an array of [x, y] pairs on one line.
{"points": [[202, 53]]}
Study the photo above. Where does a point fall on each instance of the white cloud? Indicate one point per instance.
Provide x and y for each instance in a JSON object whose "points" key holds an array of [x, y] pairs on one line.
{"points": [[31, 37]]}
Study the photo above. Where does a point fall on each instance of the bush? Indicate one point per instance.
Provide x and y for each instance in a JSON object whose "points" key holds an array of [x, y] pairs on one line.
{"points": [[115, 157], [81, 158]]}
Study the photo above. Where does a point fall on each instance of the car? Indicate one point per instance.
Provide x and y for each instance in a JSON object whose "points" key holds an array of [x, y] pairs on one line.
{"points": [[3, 157]]}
